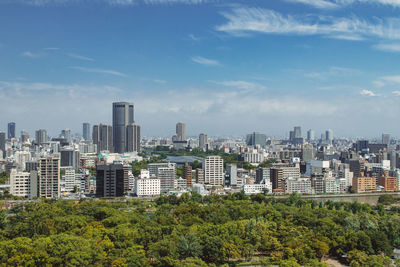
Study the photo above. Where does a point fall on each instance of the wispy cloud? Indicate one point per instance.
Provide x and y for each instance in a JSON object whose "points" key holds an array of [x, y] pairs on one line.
{"points": [[42, 3], [193, 37], [393, 78], [368, 93], [243, 85], [205, 61], [160, 81], [393, 47], [30, 54], [102, 71], [323, 4], [187, 2], [77, 56], [396, 93], [51, 48], [242, 21]]}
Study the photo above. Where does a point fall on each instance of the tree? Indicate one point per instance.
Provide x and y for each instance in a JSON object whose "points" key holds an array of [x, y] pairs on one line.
{"points": [[189, 246]]}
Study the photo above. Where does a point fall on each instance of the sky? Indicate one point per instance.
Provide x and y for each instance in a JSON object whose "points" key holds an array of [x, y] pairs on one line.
{"points": [[224, 67]]}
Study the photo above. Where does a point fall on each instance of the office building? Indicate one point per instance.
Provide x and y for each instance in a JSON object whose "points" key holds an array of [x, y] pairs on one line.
{"points": [[231, 170], [110, 180], [250, 189], [41, 137], [203, 141], [262, 175], [329, 136], [180, 131], [199, 176], [86, 131], [49, 177], [389, 183], [213, 167], [24, 137], [102, 136], [364, 184], [3, 144], [298, 185], [152, 167], [11, 130], [70, 157], [133, 138], [187, 174], [167, 176], [307, 152], [310, 135], [386, 139], [123, 115], [66, 134], [255, 139], [297, 132]]}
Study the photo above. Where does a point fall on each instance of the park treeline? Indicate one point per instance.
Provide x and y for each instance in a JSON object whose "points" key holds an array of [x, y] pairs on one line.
{"points": [[198, 231]]}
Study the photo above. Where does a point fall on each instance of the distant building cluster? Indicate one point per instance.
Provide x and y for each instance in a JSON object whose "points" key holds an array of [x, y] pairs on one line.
{"points": [[98, 162]]}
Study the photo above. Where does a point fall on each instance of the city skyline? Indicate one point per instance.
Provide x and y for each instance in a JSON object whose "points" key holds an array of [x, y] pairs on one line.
{"points": [[266, 66]]}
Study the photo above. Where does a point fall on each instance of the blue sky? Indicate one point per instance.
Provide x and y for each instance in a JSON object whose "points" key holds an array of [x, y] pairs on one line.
{"points": [[223, 67]]}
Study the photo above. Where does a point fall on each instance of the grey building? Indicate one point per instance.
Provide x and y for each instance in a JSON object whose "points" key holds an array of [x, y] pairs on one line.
{"points": [[86, 131], [70, 157], [133, 138], [203, 140], [123, 115], [103, 137], [41, 136], [310, 135], [181, 131], [24, 136], [11, 130], [297, 132], [49, 177], [3, 143], [329, 136], [255, 139], [386, 139], [262, 175], [231, 170]]}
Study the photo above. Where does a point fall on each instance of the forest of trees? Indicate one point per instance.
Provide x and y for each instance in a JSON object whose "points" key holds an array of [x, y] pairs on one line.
{"points": [[197, 231]]}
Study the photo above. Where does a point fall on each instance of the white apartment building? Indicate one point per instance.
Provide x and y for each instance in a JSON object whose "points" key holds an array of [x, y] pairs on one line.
{"points": [[250, 189], [147, 187], [23, 184], [49, 177], [213, 167], [298, 185]]}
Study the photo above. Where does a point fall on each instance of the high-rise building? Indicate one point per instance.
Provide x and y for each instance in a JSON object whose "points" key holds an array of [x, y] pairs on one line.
{"points": [[24, 136], [3, 143], [110, 180], [297, 132], [307, 152], [133, 138], [255, 139], [329, 136], [187, 174], [49, 177], [41, 136], [181, 131], [70, 157], [167, 176], [103, 137], [86, 131], [310, 135], [386, 139], [263, 175], [231, 170], [213, 167], [66, 134], [11, 130], [123, 115], [203, 140]]}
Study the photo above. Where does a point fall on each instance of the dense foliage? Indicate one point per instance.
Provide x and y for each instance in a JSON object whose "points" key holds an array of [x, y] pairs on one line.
{"points": [[197, 231]]}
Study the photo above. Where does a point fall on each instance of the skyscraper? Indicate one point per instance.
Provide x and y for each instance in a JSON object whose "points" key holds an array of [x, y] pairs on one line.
{"points": [[297, 132], [86, 131], [3, 143], [133, 138], [187, 174], [386, 139], [11, 130], [254, 139], [329, 136], [40, 136], [181, 131], [123, 115], [24, 136], [310, 135], [102, 137], [203, 141]]}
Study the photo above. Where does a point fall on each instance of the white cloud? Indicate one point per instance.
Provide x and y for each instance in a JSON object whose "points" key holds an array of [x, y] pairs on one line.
{"points": [[51, 48], [316, 3], [393, 47], [205, 61], [187, 2], [95, 70], [160, 81], [245, 86], [368, 93], [396, 93], [394, 78], [30, 54], [77, 56], [244, 20], [378, 83]]}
